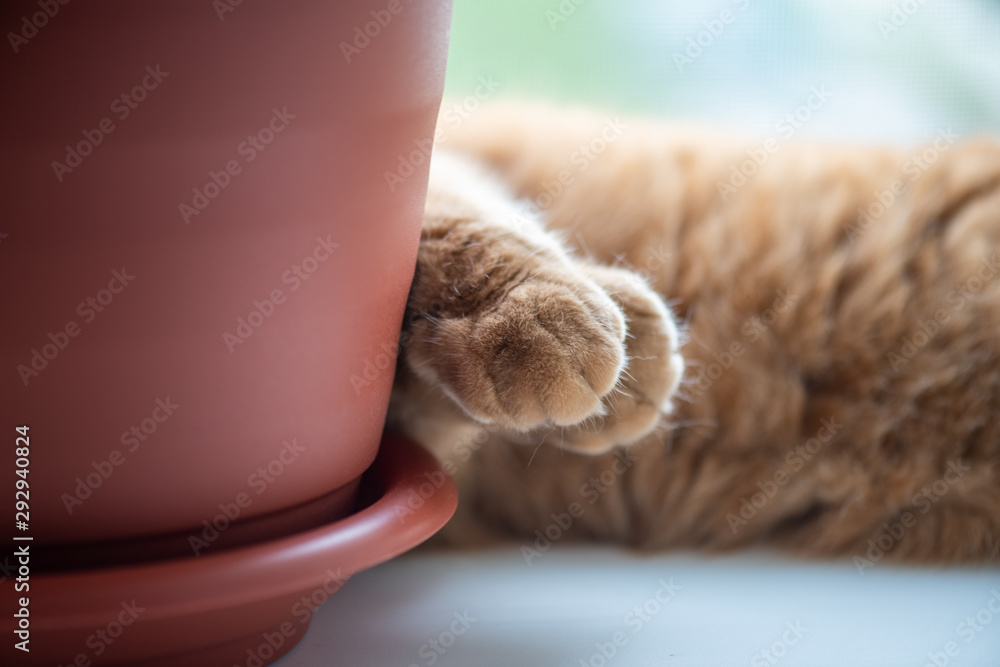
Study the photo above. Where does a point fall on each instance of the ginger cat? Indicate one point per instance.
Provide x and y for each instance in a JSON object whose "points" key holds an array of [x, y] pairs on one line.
{"points": [[667, 337]]}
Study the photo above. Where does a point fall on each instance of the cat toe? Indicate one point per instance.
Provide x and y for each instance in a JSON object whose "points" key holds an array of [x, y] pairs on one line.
{"points": [[652, 373]]}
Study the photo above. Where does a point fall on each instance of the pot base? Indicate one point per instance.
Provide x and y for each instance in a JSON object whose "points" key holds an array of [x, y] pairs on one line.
{"points": [[242, 606], [200, 541]]}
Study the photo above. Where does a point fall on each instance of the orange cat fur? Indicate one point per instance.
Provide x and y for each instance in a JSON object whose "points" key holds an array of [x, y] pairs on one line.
{"points": [[839, 310]]}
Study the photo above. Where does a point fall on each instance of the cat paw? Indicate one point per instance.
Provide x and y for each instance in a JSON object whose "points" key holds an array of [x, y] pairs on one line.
{"points": [[517, 336], [502, 321], [544, 353]]}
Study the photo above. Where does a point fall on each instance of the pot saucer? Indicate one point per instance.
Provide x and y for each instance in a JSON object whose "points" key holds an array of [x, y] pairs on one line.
{"points": [[243, 606], [219, 535]]}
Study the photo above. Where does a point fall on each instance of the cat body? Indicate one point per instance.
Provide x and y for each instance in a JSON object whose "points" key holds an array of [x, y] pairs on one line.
{"points": [[666, 336]]}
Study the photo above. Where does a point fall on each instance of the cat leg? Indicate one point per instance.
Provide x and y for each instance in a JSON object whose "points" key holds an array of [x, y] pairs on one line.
{"points": [[513, 333], [519, 334]]}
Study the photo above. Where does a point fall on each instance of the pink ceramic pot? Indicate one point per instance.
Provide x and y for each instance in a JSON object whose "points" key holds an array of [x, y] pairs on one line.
{"points": [[212, 211]]}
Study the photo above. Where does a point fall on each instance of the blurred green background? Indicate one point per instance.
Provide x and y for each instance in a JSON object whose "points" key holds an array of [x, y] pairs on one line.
{"points": [[895, 71]]}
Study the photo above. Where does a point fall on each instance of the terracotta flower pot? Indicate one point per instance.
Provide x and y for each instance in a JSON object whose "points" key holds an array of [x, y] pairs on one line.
{"points": [[245, 606], [211, 213]]}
